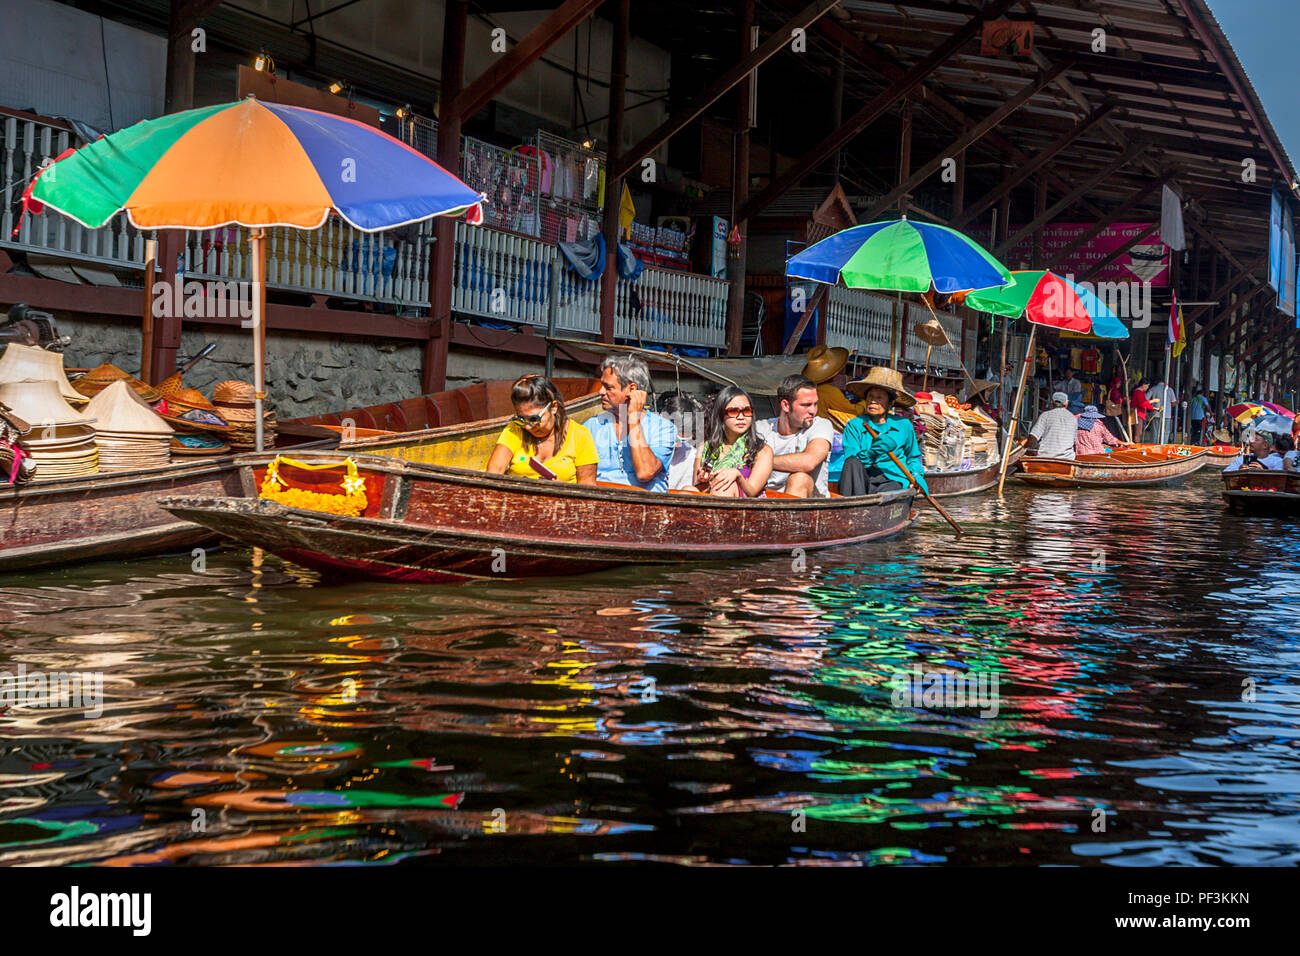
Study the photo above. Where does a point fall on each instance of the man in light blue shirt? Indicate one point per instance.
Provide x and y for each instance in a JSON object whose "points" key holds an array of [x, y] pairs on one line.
{"points": [[634, 444]]}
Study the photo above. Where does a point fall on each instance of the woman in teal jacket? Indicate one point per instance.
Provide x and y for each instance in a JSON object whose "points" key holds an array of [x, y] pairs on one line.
{"points": [[881, 388]]}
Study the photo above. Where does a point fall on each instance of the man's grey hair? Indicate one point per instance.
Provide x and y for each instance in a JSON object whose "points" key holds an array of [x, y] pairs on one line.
{"points": [[629, 369]]}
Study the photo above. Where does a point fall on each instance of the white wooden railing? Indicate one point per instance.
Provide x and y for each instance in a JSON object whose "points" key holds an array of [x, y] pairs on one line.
{"points": [[861, 321], [509, 277], [942, 356], [24, 145]]}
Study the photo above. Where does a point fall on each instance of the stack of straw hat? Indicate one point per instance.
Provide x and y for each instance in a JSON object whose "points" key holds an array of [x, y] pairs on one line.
{"points": [[29, 363], [98, 379], [189, 412], [61, 442], [130, 435], [235, 403]]}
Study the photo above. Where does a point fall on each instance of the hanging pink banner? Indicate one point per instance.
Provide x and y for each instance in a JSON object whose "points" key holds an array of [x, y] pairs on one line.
{"points": [[1147, 261]]}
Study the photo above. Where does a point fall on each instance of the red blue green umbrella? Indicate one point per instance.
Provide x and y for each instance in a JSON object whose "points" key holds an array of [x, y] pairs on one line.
{"points": [[1046, 298], [900, 256]]}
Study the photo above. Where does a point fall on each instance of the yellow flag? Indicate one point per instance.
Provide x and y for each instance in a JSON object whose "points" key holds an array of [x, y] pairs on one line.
{"points": [[626, 212], [1181, 342]]}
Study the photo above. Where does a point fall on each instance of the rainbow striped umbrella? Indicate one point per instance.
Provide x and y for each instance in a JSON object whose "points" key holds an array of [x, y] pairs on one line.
{"points": [[250, 164]]}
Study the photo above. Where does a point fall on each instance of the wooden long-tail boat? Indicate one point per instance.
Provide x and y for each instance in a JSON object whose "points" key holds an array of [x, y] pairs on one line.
{"points": [[456, 428], [1146, 466], [107, 515], [1220, 456], [1262, 492], [427, 523]]}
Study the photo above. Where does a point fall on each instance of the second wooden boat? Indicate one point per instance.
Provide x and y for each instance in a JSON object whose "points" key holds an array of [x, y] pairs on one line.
{"points": [[1145, 466], [431, 524], [107, 515], [1262, 492], [456, 428]]}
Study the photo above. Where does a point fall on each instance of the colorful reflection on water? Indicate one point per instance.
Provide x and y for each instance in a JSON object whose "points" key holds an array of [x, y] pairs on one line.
{"points": [[1143, 646]]}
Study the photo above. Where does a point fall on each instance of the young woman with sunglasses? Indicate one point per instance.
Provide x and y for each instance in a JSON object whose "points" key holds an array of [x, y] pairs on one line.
{"points": [[541, 432], [734, 461]]}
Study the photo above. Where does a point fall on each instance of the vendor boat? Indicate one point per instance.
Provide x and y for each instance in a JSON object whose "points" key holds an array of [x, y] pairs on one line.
{"points": [[950, 484], [367, 516], [1144, 466], [1262, 492]]}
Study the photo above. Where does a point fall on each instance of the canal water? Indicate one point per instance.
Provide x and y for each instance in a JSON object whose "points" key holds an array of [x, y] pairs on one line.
{"points": [[1132, 658]]}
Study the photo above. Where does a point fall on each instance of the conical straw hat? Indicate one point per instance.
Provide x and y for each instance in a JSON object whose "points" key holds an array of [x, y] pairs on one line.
{"points": [[39, 403], [24, 362], [931, 332], [118, 409], [823, 363], [890, 379]]}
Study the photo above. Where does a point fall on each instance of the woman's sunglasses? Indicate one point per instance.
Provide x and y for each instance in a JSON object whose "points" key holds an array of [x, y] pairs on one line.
{"points": [[746, 412]]}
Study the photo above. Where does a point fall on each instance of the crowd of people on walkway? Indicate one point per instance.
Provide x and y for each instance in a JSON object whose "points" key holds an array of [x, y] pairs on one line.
{"points": [[719, 448]]}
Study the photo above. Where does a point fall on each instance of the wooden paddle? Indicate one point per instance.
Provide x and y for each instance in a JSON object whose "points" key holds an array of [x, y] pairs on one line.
{"points": [[912, 479]]}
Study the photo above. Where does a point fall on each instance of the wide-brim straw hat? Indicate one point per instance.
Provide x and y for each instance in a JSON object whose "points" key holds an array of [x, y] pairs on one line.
{"points": [[99, 378], [1222, 436], [39, 403], [890, 379], [823, 364], [27, 362], [118, 409], [189, 410], [931, 332], [235, 401]]}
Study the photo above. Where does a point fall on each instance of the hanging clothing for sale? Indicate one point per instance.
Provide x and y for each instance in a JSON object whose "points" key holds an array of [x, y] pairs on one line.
{"points": [[1091, 360], [1076, 359]]}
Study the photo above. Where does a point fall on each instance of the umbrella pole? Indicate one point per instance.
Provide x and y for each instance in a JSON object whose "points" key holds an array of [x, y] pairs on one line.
{"points": [[146, 329], [925, 385], [1015, 409], [258, 242]]}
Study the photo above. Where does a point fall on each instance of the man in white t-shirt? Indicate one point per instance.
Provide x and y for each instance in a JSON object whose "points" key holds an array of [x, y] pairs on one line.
{"points": [[801, 442]]}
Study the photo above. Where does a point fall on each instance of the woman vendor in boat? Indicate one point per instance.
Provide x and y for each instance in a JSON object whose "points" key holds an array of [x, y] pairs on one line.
{"points": [[541, 434], [733, 461], [1092, 436], [868, 469]]}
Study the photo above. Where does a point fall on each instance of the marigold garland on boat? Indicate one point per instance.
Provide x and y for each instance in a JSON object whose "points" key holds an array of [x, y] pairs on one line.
{"points": [[351, 504]]}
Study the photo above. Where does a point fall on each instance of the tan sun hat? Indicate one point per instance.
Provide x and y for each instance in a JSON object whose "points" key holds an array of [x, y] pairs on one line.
{"points": [[29, 363], [39, 403], [931, 332], [981, 386], [117, 409], [890, 379], [823, 363], [235, 401]]}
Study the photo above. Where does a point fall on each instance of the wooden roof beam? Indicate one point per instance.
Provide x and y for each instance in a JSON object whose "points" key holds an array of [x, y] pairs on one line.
{"points": [[1242, 303], [1217, 295], [778, 41], [1069, 199], [872, 111], [1027, 92], [1037, 161], [521, 56]]}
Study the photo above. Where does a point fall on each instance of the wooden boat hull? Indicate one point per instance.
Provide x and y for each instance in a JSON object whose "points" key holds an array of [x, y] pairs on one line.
{"points": [[1262, 492], [110, 515], [431, 524], [1220, 456], [1151, 466], [454, 429], [950, 484]]}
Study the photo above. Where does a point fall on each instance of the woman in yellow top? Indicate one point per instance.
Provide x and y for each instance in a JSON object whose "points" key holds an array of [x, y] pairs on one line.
{"points": [[541, 431]]}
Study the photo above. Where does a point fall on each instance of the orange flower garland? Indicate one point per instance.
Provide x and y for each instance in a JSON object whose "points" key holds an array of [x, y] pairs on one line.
{"points": [[350, 504]]}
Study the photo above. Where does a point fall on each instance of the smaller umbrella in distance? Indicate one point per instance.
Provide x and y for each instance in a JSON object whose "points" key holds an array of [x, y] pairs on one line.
{"points": [[900, 256], [1046, 298], [1245, 411], [1272, 423]]}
